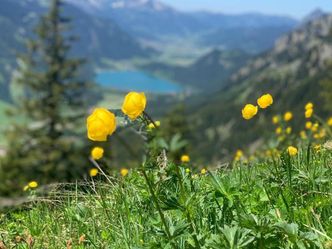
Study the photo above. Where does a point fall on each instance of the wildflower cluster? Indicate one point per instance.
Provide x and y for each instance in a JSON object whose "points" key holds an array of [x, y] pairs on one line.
{"points": [[102, 123], [250, 110]]}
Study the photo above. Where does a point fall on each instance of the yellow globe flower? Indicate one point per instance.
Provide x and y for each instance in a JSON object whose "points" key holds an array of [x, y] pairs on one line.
{"points": [[100, 124], [278, 130], [134, 104], [275, 119], [97, 153], [292, 151], [308, 106], [185, 158], [288, 116], [124, 172], [265, 101], [153, 125], [239, 153], [33, 184], [317, 147], [329, 121], [315, 127], [308, 125], [249, 111], [203, 171], [93, 172], [308, 113], [322, 133], [303, 135], [289, 130]]}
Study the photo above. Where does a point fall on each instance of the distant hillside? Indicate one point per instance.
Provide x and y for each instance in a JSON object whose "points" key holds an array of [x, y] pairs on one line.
{"points": [[208, 73], [99, 39], [291, 72], [154, 20]]}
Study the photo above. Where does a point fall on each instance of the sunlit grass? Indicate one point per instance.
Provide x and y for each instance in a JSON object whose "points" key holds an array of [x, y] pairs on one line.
{"points": [[273, 203]]}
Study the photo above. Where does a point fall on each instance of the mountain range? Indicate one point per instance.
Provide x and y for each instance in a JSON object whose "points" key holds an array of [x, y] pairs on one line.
{"points": [[154, 20], [123, 29], [291, 72]]}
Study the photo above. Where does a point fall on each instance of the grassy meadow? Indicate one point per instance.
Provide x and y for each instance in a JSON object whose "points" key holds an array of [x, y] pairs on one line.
{"points": [[275, 202], [278, 197]]}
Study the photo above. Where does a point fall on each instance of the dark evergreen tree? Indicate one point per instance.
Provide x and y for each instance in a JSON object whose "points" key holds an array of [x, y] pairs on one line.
{"points": [[49, 145], [326, 85]]}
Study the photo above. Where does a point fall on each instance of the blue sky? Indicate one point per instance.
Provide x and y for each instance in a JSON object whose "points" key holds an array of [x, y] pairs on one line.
{"points": [[295, 8]]}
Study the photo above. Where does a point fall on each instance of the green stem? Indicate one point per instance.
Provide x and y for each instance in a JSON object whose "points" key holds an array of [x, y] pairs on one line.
{"points": [[193, 228], [161, 214]]}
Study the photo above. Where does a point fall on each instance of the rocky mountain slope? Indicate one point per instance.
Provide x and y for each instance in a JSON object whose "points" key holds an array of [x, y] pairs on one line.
{"points": [[291, 72]]}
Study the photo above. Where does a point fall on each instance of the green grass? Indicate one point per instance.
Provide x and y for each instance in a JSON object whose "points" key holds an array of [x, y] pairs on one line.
{"points": [[280, 202]]}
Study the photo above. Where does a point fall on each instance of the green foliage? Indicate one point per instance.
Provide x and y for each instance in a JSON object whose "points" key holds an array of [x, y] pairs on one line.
{"points": [[49, 145], [253, 205]]}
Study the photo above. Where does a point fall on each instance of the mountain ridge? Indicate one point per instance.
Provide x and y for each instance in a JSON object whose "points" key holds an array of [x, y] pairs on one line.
{"points": [[291, 72], [134, 16]]}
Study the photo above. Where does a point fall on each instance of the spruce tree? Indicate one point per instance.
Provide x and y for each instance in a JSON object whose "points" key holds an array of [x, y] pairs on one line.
{"points": [[49, 145], [326, 85]]}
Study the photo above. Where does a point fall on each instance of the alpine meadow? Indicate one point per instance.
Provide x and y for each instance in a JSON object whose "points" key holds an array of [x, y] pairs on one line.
{"points": [[132, 124]]}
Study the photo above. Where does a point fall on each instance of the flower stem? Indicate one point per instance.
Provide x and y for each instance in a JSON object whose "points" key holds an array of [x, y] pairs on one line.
{"points": [[161, 214]]}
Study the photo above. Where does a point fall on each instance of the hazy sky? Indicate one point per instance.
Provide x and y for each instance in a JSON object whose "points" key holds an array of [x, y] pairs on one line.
{"points": [[295, 8]]}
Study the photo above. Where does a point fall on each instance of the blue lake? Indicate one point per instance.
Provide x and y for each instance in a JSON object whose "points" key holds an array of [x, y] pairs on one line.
{"points": [[136, 81]]}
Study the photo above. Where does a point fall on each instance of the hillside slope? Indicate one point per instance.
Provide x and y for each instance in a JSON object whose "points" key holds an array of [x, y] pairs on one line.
{"points": [[153, 20], [291, 72], [99, 39], [209, 73]]}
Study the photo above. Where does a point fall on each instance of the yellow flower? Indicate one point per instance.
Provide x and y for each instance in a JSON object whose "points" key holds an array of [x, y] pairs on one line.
{"points": [[152, 126], [124, 172], [187, 170], [288, 116], [265, 101], [278, 130], [292, 151], [303, 135], [203, 171], [275, 120], [97, 153], [185, 158], [100, 124], [93, 172], [33, 184], [329, 121], [317, 147], [308, 106], [249, 111], [289, 130], [308, 113], [315, 127], [238, 155], [322, 133], [308, 125], [26, 187], [134, 105]]}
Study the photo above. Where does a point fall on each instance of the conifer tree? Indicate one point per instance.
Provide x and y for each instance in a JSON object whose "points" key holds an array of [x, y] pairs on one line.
{"points": [[49, 145], [326, 85]]}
